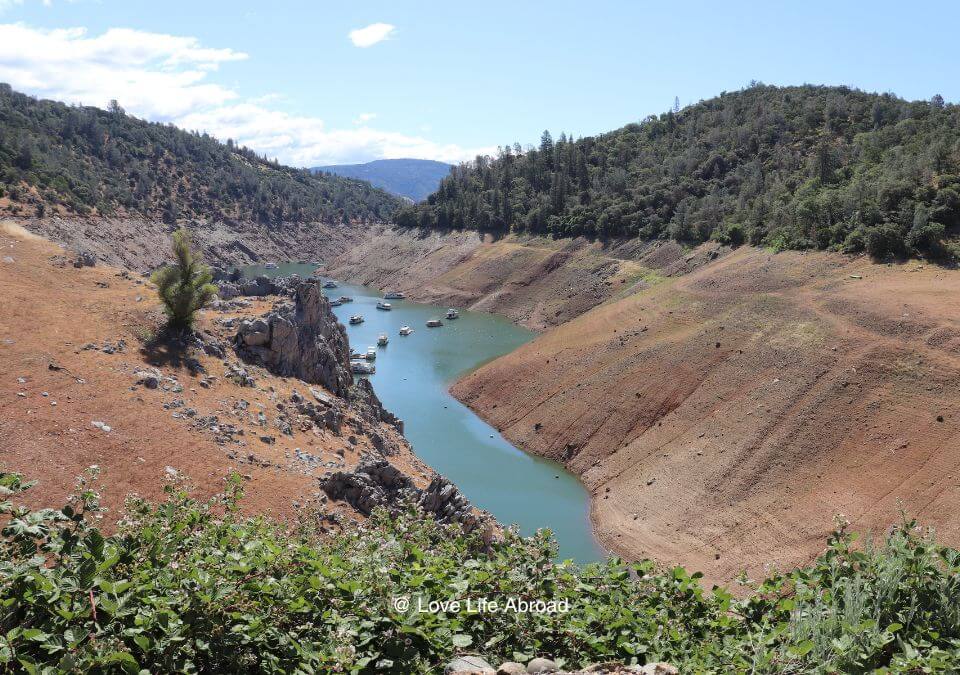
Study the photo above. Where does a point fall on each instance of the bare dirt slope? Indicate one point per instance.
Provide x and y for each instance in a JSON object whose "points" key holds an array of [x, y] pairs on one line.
{"points": [[722, 419], [536, 281], [71, 342]]}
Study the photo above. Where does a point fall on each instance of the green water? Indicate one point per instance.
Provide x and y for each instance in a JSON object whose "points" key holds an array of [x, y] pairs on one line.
{"points": [[412, 378]]}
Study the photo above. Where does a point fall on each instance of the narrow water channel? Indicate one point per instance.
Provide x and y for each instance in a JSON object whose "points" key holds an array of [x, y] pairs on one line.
{"points": [[412, 378]]}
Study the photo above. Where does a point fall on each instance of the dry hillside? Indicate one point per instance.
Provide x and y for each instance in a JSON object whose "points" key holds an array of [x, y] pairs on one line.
{"points": [[538, 282], [723, 418], [71, 344]]}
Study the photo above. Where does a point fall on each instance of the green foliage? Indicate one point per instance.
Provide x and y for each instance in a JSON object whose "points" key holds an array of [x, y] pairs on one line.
{"points": [[90, 161], [185, 586], [183, 287], [795, 167]]}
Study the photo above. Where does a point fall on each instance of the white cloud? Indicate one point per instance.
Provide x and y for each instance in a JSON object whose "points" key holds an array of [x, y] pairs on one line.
{"points": [[372, 34], [168, 78], [305, 140], [152, 74]]}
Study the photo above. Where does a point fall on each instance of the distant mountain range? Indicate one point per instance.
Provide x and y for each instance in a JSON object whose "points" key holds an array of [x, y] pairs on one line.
{"points": [[414, 179]]}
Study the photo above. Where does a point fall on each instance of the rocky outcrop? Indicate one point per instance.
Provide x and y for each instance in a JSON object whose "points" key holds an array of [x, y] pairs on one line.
{"points": [[301, 339], [365, 401], [375, 483], [258, 287]]}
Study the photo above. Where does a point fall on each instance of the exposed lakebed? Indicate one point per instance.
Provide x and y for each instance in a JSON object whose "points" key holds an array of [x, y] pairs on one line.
{"points": [[412, 377]]}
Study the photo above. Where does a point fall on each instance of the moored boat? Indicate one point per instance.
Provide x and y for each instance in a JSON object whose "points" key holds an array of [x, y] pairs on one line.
{"points": [[394, 295], [330, 284], [355, 319], [371, 354], [270, 265], [453, 314], [335, 303], [344, 298], [362, 368], [434, 323], [385, 306], [382, 340]]}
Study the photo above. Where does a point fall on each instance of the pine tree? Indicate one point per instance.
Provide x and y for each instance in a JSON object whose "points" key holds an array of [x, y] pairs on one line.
{"points": [[183, 287]]}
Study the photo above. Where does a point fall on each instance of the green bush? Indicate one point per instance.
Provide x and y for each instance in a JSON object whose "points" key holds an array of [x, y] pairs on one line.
{"points": [[884, 241], [185, 586]]}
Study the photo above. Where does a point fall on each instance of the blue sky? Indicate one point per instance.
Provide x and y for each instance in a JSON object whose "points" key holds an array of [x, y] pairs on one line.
{"points": [[449, 79]]}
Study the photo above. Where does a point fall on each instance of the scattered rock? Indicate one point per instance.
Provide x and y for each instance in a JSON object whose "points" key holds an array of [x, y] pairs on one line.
{"points": [[659, 669], [84, 259], [541, 665], [101, 426], [468, 664], [511, 668], [149, 378]]}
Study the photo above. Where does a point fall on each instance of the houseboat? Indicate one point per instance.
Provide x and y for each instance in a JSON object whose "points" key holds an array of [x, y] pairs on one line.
{"points": [[385, 306], [355, 319], [344, 298], [394, 295], [382, 340], [405, 330], [362, 368], [371, 354], [434, 323], [330, 284], [453, 314]]}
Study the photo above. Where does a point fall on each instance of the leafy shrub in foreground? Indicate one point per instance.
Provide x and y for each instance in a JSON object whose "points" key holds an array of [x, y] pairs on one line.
{"points": [[196, 587]]}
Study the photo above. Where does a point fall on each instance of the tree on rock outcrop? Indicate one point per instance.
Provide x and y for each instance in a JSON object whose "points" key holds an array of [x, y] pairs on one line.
{"points": [[183, 287]]}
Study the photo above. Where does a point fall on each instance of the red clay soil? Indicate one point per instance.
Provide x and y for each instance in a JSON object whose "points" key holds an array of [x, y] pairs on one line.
{"points": [[55, 381], [722, 419]]}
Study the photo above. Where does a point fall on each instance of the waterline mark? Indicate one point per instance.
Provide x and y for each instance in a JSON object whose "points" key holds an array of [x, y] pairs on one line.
{"points": [[508, 605]]}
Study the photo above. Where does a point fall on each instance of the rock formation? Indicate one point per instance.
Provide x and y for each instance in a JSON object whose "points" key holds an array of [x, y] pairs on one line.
{"points": [[375, 482], [302, 339]]}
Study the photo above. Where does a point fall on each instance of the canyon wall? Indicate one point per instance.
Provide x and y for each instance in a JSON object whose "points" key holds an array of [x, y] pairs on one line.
{"points": [[537, 282]]}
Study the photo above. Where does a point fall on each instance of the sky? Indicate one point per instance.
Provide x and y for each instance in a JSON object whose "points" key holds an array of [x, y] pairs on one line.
{"points": [[321, 82]]}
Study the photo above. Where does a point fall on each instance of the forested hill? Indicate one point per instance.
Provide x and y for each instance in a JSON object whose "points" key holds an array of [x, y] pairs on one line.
{"points": [[64, 159], [791, 167], [411, 178]]}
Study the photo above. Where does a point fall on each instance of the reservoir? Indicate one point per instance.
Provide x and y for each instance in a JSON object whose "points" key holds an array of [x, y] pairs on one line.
{"points": [[412, 379]]}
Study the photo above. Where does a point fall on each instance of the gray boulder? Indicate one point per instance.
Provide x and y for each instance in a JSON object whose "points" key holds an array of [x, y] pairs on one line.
{"points": [[468, 664], [537, 666]]}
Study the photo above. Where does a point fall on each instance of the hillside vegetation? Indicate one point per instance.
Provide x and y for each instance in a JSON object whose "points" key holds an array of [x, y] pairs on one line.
{"points": [[196, 587], [411, 178], [792, 167], [77, 160]]}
